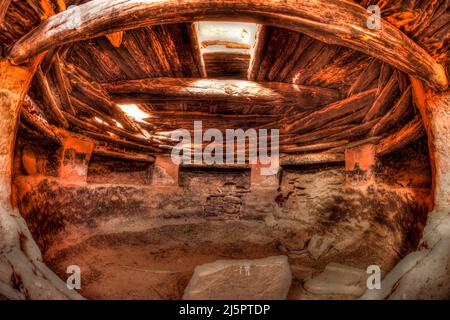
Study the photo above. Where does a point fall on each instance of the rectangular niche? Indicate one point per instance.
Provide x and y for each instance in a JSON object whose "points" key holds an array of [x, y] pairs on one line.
{"points": [[103, 170], [210, 177]]}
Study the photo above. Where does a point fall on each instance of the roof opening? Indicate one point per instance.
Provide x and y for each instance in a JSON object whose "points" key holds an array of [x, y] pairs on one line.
{"points": [[134, 112], [233, 37]]}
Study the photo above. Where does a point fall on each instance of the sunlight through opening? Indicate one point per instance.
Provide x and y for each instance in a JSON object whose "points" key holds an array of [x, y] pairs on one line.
{"points": [[133, 111]]}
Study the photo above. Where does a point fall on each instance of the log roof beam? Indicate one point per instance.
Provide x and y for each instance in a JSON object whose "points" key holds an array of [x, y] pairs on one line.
{"points": [[4, 5], [193, 89], [331, 21]]}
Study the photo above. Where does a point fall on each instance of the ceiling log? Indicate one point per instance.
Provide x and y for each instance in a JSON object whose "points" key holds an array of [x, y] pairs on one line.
{"points": [[291, 63], [94, 94], [313, 136], [101, 127], [354, 132], [38, 126], [86, 129], [282, 57], [4, 5], [319, 118], [385, 74], [311, 158], [259, 93], [354, 117], [207, 115], [84, 108], [398, 112], [196, 51], [48, 59], [315, 63], [400, 139], [366, 78], [128, 156], [60, 83], [50, 105], [384, 100], [353, 144], [312, 147], [331, 21]]}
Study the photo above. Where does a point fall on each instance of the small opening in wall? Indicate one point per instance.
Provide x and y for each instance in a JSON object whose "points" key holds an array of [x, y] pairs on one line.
{"points": [[215, 177]]}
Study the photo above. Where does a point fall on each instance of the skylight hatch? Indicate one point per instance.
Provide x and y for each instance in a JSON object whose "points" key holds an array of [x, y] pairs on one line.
{"points": [[233, 37]]}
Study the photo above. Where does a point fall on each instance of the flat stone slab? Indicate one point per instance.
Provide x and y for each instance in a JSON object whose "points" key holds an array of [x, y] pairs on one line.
{"points": [[338, 279], [262, 279]]}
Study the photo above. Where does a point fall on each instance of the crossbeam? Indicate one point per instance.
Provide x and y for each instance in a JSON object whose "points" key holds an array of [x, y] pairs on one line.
{"points": [[196, 89]]}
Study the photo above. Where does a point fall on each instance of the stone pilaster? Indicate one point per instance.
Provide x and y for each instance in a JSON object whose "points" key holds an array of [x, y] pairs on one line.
{"points": [[360, 163], [165, 172]]}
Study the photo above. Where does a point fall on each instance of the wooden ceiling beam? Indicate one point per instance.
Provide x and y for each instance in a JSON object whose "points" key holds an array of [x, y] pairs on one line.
{"points": [[400, 139], [51, 108], [396, 114], [302, 124], [311, 159], [196, 51], [193, 115], [90, 91], [4, 5], [331, 21], [197, 89], [38, 126], [91, 131], [60, 82], [257, 54], [120, 155]]}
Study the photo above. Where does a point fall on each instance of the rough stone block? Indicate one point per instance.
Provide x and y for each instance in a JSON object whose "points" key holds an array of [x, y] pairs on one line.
{"points": [[165, 172], [429, 279], [262, 279]]}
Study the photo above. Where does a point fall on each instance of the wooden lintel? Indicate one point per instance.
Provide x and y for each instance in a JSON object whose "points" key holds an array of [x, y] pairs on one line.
{"points": [[311, 159]]}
